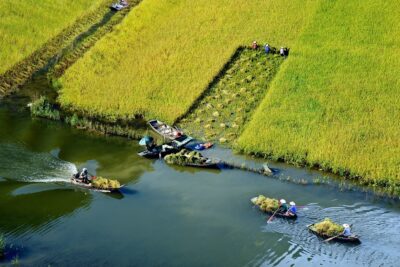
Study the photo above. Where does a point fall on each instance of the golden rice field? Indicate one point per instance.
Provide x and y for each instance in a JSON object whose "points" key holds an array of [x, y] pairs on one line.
{"points": [[165, 53], [26, 25], [336, 100]]}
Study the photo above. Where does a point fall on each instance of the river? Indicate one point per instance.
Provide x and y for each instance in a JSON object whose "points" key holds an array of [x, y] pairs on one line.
{"points": [[168, 216]]}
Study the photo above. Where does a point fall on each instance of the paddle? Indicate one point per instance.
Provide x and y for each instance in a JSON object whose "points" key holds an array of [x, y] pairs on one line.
{"points": [[270, 218], [329, 239]]}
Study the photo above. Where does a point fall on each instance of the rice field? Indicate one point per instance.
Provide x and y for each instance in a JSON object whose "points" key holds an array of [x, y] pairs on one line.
{"points": [[164, 54], [335, 102], [220, 115], [27, 25]]}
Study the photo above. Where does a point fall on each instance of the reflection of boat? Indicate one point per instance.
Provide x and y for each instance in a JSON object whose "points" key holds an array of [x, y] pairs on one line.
{"points": [[79, 183], [207, 163], [345, 239], [171, 133]]}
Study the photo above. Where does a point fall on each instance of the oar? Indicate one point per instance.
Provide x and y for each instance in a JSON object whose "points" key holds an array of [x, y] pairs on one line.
{"points": [[329, 239], [270, 218]]}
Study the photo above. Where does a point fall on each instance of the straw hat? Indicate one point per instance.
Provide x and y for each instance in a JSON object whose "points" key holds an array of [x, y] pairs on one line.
{"points": [[292, 203], [282, 201], [346, 225]]}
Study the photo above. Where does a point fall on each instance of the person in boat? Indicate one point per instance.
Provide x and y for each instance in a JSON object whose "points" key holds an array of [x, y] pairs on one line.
{"points": [[283, 206], [267, 48], [84, 176], [292, 211], [254, 45], [347, 230], [123, 3]]}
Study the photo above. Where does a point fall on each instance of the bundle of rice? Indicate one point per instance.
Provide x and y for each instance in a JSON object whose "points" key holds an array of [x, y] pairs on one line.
{"points": [[103, 183], [266, 204], [184, 157], [327, 227]]}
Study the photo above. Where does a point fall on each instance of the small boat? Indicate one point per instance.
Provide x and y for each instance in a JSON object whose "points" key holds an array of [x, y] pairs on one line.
{"points": [[157, 152], [119, 6], [89, 186], [278, 214], [344, 239], [170, 133], [208, 163]]}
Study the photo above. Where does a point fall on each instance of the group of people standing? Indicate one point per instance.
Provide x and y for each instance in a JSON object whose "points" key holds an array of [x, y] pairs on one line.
{"points": [[282, 51]]}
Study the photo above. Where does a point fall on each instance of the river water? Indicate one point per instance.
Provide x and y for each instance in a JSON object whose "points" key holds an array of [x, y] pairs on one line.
{"points": [[168, 216]]}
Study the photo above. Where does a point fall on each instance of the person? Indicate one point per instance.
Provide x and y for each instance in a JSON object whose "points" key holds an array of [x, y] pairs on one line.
{"points": [[123, 3], [282, 51], [267, 49], [347, 230], [292, 209], [254, 45], [84, 176], [283, 207]]}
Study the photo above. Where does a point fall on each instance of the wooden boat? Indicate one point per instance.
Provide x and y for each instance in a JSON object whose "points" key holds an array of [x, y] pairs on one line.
{"points": [[344, 239], [170, 133], [89, 186], [157, 152], [119, 6], [278, 214], [208, 163]]}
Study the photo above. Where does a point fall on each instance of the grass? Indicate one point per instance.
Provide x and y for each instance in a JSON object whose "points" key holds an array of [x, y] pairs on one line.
{"points": [[165, 53], [220, 114], [26, 25], [335, 102]]}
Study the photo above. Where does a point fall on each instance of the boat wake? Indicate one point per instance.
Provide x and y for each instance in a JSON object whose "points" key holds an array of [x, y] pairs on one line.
{"points": [[18, 163]]}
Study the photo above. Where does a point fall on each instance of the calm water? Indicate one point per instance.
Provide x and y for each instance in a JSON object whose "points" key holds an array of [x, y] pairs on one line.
{"points": [[167, 216]]}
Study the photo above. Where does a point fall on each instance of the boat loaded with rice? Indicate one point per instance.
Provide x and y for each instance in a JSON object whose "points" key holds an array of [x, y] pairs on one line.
{"points": [[190, 158], [270, 206], [329, 230], [98, 184], [170, 133]]}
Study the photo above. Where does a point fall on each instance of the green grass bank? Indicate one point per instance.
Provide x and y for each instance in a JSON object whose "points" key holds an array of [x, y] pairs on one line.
{"points": [[335, 102]]}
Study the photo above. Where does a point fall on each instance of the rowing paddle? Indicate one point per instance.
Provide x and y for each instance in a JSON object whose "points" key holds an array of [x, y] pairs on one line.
{"points": [[270, 218], [329, 239]]}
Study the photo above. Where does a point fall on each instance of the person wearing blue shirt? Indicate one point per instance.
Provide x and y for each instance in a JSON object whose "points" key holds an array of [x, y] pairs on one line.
{"points": [[347, 230], [267, 49], [292, 209]]}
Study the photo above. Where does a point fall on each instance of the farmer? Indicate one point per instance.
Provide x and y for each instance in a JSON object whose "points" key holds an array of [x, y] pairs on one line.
{"points": [[282, 52], [283, 207], [267, 48], [84, 176], [254, 45], [347, 230], [292, 209]]}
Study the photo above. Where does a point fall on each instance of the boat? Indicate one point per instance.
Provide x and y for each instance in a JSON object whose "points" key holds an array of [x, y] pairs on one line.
{"points": [[278, 214], [344, 239], [157, 152], [119, 6], [170, 133], [89, 186], [208, 163]]}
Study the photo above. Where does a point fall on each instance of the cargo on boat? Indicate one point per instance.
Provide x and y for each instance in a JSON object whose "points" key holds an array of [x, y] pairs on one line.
{"points": [[341, 238], [270, 206], [190, 158], [101, 185]]}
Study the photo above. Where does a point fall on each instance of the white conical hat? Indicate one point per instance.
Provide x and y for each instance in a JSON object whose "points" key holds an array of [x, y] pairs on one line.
{"points": [[282, 201], [292, 203]]}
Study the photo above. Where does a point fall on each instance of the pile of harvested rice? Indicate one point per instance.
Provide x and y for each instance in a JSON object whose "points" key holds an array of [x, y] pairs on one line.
{"points": [[327, 227], [103, 183], [184, 157], [266, 204]]}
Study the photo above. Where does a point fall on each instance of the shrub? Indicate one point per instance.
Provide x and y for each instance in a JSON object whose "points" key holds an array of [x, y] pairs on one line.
{"points": [[43, 108]]}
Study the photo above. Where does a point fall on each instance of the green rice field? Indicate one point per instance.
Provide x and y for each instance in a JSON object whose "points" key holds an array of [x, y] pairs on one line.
{"points": [[27, 25], [335, 102], [165, 53]]}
